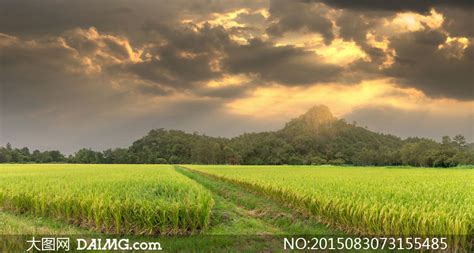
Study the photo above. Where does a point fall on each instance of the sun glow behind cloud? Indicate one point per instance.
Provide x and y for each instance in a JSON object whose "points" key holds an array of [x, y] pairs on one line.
{"points": [[338, 52], [412, 22], [229, 80], [278, 101]]}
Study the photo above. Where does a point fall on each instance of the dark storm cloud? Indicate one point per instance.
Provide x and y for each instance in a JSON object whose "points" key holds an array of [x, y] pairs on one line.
{"points": [[39, 17], [32, 77], [226, 92], [174, 70], [285, 64], [422, 6], [250, 18], [47, 81], [410, 123], [124, 17], [154, 90], [99, 47], [420, 63], [459, 22], [354, 26], [185, 59], [191, 54], [291, 16], [181, 57], [190, 38], [52, 70], [423, 59]]}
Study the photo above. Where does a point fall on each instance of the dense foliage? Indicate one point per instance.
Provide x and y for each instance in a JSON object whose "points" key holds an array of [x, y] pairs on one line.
{"points": [[315, 137]]}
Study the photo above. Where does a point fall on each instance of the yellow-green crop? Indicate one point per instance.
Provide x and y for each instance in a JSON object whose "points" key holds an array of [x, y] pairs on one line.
{"points": [[135, 199], [381, 201]]}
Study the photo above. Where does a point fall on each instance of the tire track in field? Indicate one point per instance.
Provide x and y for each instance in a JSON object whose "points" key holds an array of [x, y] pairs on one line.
{"points": [[228, 216], [276, 218]]}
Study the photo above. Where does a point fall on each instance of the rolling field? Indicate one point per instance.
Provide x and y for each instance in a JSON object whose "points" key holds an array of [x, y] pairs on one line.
{"points": [[379, 201]]}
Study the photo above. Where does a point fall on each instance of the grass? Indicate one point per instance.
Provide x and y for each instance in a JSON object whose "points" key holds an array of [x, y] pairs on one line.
{"points": [[119, 199], [377, 201], [15, 229], [14, 224]]}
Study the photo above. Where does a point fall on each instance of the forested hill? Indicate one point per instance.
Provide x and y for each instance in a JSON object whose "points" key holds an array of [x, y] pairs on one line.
{"points": [[316, 137]]}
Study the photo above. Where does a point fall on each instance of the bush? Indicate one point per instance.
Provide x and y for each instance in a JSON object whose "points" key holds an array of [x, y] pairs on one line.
{"points": [[295, 160], [316, 160], [337, 161], [161, 161]]}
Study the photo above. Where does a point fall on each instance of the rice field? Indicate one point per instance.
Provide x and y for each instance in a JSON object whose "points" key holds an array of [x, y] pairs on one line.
{"points": [[119, 199], [163, 200], [368, 200]]}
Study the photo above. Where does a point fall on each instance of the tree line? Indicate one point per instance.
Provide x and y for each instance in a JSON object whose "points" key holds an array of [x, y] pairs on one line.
{"points": [[314, 138]]}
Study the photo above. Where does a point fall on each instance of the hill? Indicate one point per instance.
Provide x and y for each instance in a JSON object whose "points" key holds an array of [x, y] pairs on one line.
{"points": [[316, 137]]}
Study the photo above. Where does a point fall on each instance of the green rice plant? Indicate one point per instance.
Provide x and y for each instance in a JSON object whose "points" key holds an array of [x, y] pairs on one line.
{"points": [[120, 199], [368, 200]]}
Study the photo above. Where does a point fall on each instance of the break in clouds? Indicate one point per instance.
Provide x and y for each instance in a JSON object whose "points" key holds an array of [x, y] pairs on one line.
{"points": [[102, 73]]}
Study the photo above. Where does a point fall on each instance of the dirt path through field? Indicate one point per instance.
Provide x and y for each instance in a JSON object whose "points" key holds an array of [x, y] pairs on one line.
{"points": [[252, 214]]}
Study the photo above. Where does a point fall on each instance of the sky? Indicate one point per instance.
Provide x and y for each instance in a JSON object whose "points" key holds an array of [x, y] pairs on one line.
{"points": [[102, 73]]}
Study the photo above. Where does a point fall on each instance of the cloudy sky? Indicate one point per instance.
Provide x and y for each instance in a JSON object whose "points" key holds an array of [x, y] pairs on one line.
{"points": [[102, 73]]}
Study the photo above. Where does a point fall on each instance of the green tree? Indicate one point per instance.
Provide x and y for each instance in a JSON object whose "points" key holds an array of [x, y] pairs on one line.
{"points": [[459, 140]]}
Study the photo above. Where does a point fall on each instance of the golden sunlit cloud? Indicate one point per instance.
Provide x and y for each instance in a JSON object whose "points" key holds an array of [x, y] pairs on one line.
{"points": [[277, 101], [402, 22], [341, 52], [412, 22], [95, 50], [229, 80], [229, 20], [455, 46], [107, 43], [383, 44], [6, 40], [338, 52]]}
